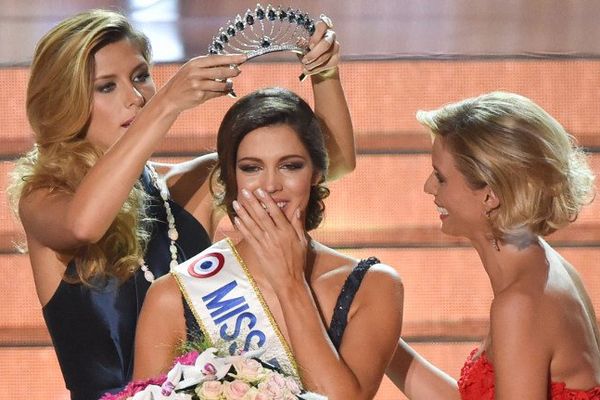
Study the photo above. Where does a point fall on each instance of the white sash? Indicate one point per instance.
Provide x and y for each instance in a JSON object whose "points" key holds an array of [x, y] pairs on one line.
{"points": [[229, 307]]}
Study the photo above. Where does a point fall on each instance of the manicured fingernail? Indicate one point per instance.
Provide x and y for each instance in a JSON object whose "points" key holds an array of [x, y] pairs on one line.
{"points": [[236, 205], [298, 214], [261, 193], [236, 220], [246, 193]]}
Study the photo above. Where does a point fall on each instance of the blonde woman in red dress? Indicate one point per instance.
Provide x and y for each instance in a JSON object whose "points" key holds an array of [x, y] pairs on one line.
{"points": [[506, 174]]}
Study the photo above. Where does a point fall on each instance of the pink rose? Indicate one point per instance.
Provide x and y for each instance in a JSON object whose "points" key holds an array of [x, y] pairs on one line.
{"points": [[260, 396], [274, 386], [292, 385], [248, 370], [210, 390], [235, 390]]}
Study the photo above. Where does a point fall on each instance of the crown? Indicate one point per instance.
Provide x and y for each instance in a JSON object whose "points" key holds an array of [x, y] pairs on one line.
{"points": [[264, 30]]}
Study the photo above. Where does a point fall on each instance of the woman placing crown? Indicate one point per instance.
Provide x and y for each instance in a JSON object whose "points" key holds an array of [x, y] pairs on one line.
{"points": [[101, 222]]}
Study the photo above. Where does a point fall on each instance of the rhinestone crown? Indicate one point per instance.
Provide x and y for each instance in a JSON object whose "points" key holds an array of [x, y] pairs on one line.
{"points": [[264, 30]]}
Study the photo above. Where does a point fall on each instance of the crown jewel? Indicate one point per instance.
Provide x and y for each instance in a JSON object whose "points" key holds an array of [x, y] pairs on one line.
{"points": [[264, 30]]}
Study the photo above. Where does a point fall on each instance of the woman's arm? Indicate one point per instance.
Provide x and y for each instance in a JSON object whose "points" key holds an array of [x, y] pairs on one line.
{"points": [[330, 102], [368, 342], [63, 222], [417, 378], [160, 330], [189, 185], [521, 355], [372, 332]]}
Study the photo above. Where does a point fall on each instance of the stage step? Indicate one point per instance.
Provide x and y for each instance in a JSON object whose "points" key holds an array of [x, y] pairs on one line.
{"points": [[447, 294], [383, 96]]}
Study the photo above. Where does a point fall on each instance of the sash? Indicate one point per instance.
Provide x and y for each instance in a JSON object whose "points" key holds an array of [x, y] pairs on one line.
{"points": [[229, 307]]}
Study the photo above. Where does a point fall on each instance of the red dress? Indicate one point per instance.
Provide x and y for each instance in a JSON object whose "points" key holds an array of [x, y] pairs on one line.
{"points": [[477, 383]]}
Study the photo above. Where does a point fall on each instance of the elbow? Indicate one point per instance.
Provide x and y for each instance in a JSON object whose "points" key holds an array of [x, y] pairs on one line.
{"points": [[84, 232], [341, 169]]}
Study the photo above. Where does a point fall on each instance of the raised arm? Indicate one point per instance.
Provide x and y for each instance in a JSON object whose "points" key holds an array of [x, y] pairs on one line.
{"points": [[356, 371], [63, 222], [330, 102]]}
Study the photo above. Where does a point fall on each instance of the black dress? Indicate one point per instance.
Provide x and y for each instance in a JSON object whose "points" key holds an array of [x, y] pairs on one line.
{"points": [[93, 328]]}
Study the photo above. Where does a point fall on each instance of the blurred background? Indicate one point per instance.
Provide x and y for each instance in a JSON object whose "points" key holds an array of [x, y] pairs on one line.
{"points": [[399, 56]]}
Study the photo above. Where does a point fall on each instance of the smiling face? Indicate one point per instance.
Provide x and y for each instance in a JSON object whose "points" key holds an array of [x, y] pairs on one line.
{"points": [[461, 208], [122, 85], [274, 159]]}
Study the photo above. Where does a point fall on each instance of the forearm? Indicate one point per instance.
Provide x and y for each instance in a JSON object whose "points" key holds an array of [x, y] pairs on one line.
{"points": [[332, 110], [106, 186], [417, 378], [320, 366]]}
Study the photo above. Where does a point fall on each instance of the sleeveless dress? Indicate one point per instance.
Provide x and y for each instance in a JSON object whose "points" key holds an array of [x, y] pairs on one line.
{"points": [[339, 318], [93, 328], [477, 383]]}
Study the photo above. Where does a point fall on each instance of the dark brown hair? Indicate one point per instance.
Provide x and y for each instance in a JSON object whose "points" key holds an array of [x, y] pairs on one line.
{"points": [[267, 107]]}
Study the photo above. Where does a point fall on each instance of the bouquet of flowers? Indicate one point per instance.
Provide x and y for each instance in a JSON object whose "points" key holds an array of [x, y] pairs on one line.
{"points": [[207, 376]]}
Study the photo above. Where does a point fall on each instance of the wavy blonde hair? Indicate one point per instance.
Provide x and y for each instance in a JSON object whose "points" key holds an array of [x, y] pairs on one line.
{"points": [[59, 106]]}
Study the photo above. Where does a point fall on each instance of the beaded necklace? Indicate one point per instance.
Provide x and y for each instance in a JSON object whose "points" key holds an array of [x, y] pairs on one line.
{"points": [[161, 185]]}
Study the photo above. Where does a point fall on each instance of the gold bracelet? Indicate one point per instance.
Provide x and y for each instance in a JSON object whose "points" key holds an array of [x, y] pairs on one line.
{"points": [[323, 75]]}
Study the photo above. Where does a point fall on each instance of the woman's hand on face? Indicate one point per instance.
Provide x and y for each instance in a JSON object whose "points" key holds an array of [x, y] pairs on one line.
{"points": [[324, 50], [200, 79], [281, 245]]}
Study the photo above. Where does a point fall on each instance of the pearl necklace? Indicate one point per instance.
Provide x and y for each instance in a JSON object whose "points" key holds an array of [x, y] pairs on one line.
{"points": [[161, 185]]}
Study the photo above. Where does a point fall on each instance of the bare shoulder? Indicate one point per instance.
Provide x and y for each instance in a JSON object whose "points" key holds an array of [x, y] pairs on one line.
{"points": [[514, 305], [164, 294], [340, 266], [517, 317]]}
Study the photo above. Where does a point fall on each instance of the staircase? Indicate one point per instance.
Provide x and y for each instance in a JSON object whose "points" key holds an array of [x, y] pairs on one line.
{"points": [[379, 210]]}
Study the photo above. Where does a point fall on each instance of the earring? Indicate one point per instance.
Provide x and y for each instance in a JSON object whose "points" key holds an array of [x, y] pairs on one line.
{"points": [[494, 239]]}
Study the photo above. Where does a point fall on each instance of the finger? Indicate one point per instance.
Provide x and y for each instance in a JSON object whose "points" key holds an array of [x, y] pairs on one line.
{"points": [[215, 60], [324, 46], [298, 223], [221, 73], [256, 210], [247, 235], [326, 61], [277, 215], [245, 221], [208, 85], [320, 28]]}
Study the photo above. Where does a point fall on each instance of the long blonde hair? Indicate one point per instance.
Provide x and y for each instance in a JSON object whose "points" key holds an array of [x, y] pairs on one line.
{"points": [[59, 104]]}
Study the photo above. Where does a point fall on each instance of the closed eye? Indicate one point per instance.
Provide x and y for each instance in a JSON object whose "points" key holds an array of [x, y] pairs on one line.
{"points": [[248, 168], [439, 178]]}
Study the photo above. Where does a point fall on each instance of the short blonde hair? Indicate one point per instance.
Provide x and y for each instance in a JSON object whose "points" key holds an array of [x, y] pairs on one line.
{"points": [[509, 143]]}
